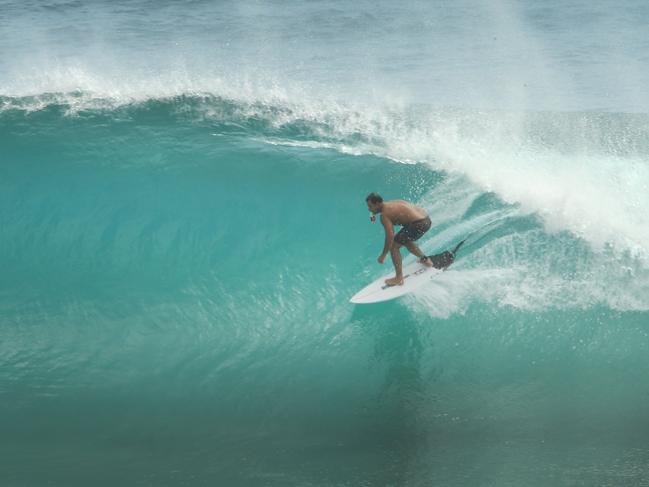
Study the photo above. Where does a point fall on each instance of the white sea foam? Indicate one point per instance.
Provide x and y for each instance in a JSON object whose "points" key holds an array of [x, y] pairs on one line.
{"points": [[524, 271], [602, 198]]}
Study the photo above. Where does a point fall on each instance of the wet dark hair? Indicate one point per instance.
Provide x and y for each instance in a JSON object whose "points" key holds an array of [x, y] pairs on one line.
{"points": [[374, 198]]}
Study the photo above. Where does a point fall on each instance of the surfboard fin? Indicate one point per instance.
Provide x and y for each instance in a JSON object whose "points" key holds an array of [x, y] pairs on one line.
{"points": [[457, 247]]}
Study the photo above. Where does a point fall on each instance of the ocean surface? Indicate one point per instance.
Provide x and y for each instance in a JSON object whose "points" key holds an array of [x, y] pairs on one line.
{"points": [[183, 222]]}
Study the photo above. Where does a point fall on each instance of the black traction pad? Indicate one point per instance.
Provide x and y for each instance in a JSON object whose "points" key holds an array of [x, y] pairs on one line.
{"points": [[443, 260]]}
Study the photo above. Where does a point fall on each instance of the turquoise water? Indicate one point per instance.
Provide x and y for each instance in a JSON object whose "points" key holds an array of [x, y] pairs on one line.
{"points": [[183, 223]]}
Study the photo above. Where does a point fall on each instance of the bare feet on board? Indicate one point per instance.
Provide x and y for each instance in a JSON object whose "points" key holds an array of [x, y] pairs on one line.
{"points": [[394, 281]]}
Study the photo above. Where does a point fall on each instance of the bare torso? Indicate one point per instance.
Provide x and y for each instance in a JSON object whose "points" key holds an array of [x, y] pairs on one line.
{"points": [[401, 212]]}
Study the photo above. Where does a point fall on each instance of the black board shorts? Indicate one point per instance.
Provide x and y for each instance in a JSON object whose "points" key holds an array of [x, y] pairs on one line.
{"points": [[412, 231]]}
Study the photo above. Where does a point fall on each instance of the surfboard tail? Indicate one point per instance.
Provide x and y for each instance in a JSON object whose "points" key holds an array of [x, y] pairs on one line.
{"points": [[443, 260], [446, 258]]}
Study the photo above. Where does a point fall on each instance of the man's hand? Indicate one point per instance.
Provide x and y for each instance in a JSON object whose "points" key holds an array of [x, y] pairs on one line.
{"points": [[381, 258]]}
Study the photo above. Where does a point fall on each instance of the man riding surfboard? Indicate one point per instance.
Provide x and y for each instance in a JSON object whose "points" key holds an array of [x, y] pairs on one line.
{"points": [[414, 221]]}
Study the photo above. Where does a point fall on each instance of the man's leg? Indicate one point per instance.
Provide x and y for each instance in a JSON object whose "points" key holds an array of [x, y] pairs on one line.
{"points": [[414, 249], [395, 252]]}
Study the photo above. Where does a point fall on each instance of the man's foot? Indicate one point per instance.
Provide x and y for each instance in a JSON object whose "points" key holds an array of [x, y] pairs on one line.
{"points": [[394, 281], [426, 261]]}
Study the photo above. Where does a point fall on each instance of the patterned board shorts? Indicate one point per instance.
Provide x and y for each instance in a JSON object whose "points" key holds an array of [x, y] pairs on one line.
{"points": [[412, 231]]}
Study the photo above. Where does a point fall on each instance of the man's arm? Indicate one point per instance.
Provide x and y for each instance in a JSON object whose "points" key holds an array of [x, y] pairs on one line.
{"points": [[389, 236]]}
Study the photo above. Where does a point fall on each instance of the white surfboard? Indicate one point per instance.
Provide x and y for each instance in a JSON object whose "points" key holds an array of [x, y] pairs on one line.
{"points": [[415, 275]]}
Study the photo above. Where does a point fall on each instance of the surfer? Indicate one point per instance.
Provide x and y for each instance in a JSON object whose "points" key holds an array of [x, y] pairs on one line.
{"points": [[415, 223]]}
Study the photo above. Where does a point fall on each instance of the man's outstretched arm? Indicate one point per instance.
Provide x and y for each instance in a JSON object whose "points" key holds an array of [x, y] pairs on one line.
{"points": [[389, 237]]}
